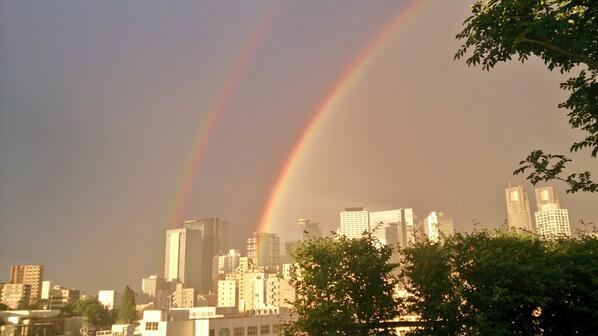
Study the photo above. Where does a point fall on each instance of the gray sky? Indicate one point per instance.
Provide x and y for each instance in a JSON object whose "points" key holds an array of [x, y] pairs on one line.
{"points": [[101, 103]]}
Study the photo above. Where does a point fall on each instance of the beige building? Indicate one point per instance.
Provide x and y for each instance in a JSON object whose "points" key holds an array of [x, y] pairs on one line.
{"points": [[184, 297], [354, 222], [518, 210], [32, 275], [227, 293], [264, 249], [16, 296]]}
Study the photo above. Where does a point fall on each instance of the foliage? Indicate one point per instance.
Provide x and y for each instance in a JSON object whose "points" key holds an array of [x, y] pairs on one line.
{"points": [[3, 306], [564, 34], [127, 313], [95, 312], [507, 284], [344, 287]]}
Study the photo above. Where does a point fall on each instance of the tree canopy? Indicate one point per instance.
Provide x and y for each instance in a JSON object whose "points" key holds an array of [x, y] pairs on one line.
{"points": [[95, 312], [506, 284], [344, 287], [127, 313], [564, 35]]}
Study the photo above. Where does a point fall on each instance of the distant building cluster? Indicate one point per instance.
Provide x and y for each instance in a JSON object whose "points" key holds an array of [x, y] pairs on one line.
{"points": [[551, 221], [206, 288]]}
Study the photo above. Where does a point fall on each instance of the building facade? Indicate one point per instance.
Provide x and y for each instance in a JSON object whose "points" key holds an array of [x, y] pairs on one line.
{"points": [[518, 210], [264, 249], [16, 296], [32, 275], [438, 224], [552, 221]]}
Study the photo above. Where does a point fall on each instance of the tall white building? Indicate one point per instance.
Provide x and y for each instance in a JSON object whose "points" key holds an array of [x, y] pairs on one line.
{"points": [[354, 222], [183, 256], [551, 220], [107, 298], [438, 224], [518, 210]]}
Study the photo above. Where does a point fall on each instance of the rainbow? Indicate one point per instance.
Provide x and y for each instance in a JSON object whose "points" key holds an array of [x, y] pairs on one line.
{"points": [[221, 102], [335, 94]]}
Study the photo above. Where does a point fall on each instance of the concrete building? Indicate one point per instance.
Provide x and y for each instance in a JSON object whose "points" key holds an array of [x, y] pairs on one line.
{"points": [[16, 296], [39, 322], [264, 249], [311, 230], [552, 221], [209, 322], [55, 296], [227, 293], [393, 227], [354, 222], [153, 285], [518, 210], [32, 275], [184, 297], [223, 265], [107, 298], [438, 224]]}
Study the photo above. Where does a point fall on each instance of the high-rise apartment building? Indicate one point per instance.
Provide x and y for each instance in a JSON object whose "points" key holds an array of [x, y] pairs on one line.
{"points": [[551, 220], [264, 249], [354, 222], [107, 298], [310, 229], [16, 295], [438, 224], [153, 285], [518, 210], [32, 275]]}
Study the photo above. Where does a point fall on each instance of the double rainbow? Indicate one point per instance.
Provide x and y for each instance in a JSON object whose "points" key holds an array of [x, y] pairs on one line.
{"points": [[348, 77]]}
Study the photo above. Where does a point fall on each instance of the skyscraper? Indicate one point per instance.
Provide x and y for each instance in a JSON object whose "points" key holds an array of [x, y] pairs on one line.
{"points": [[213, 231], [518, 210], [264, 249], [354, 222], [310, 229], [551, 220], [393, 227], [436, 224], [32, 275], [190, 250]]}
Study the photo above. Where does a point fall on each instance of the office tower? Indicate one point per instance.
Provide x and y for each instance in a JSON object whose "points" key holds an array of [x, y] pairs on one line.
{"points": [[354, 222], [393, 227], [438, 224], [551, 220], [264, 249], [32, 275], [107, 298], [310, 229], [518, 211], [184, 257], [16, 295], [213, 235], [153, 285]]}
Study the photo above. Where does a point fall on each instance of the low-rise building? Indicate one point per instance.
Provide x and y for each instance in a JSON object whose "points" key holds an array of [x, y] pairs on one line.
{"points": [[16, 296]]}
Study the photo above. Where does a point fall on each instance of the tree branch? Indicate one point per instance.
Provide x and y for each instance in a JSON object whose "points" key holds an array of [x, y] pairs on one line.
{"points": [[580, 58]]}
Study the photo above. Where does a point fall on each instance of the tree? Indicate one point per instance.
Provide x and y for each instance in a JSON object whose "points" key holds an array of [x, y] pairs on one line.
{"points": [[3, 306], [564, 34], [127, 313], [505, 284], [344, 287], [95, 312]]}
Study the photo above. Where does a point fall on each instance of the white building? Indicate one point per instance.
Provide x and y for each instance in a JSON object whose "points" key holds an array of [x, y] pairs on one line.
{"points": [[438, 224], [354, 222], [552, 221], [107, 298], [227, 293]]}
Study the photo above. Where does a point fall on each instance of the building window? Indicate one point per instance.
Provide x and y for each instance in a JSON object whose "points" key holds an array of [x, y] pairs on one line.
{"points": [[151, 325], [239, 331], [265, 329], [252, 331]]}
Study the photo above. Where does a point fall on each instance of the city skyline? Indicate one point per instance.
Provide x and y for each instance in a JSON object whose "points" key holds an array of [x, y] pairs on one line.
{"points": [[101, 108]]}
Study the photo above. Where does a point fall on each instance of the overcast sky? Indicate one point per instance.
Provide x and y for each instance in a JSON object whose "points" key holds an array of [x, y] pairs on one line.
{"points": [[101, 103]]}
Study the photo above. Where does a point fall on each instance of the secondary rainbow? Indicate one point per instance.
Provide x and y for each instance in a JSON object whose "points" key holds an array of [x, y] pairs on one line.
{"points": [[222, 100], [335, 94]]}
